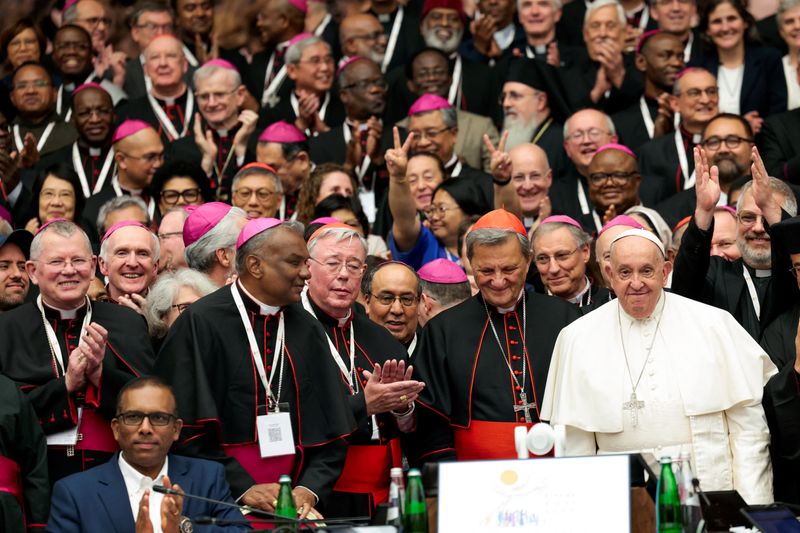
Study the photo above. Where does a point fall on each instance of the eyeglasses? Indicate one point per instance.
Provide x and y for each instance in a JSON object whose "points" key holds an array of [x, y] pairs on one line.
{"points": [[78, 263], [711, 92], [66, 45], [365, 85], [96, 21], [135, 418], [316, 61], [428, 134], [746, 218], [181, 307], [170, 196], [151, 26], [374, 36], [17, 44], [560, 257], [49, 196], [206, 97], [101, 112], [39, 84], [594, 134], [261, 194], [387, 299], [438, 210], [147, 158], [334, 266], [617, 178], [731, 141], [795, 270]]}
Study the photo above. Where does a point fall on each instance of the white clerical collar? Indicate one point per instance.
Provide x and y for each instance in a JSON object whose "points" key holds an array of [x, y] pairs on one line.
{"points": [[65, 314], [504, 310], [653, 316], [136, 478], [96, 152], [579, 297], [763, 273], [505, 36], [452, 161], [264, 309]]}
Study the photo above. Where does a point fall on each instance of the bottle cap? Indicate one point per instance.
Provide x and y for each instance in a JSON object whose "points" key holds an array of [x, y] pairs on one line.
{"points": [[413, 472], [285, 479], [541, 439], [396, 471]]}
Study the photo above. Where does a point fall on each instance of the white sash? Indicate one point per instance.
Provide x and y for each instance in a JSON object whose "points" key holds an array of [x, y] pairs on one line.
{"points": [[52, 340], [255, 352], [687, 50], [751, 288], [454, 96], [271, 89], [412, 347], [648, 120], [189, 56], [323, 108], [166, 123], [282, 210], [393, 35], [689, 179], [42, 140], [348, 373], [645, 18], [101, 179], [323, 24]]}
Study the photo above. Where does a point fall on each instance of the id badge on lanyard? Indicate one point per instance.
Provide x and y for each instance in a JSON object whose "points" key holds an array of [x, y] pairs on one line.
{"points": [[275, 436]]}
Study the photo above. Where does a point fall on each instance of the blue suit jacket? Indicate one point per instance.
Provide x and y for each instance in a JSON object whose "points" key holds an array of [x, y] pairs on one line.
{"points": [[96, 500], [763, 84]]}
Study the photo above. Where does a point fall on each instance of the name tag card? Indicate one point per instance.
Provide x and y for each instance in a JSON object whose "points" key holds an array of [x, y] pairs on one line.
{"points": [[275, 437]]}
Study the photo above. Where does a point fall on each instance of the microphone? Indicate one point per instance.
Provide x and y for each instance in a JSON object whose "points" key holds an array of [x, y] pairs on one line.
{"points": [[253, 510], [696, 483]]}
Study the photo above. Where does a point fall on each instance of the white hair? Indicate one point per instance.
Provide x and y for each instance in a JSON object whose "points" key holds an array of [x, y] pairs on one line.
{"points": [[162, 295], [257, 171], [206, 71], [62, 228], [155, 247], [339, 234], [201, 254], [599, 4]]}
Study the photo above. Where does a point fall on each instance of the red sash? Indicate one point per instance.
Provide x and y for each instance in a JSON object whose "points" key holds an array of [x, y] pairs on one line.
{"points": [[95, 433], [10, 480], [366, 470], [487, 440]]}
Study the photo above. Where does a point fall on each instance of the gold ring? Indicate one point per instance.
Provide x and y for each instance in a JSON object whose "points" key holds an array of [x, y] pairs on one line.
{"points": [[274, 503], [403, 398]]}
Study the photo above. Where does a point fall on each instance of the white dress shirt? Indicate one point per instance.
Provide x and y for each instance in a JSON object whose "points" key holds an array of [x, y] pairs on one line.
{"points": [[135, 485]]}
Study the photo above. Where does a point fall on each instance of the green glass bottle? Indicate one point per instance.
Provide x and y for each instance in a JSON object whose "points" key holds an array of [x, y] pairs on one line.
{"points": [[415, 517], [286, 507], [668, 500]]}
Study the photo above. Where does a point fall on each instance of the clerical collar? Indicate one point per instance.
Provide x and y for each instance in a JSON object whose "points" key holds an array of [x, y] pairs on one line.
{"points": [[578, 298], [505, 36], [173, 100], [694, 138], [327, 319], [451, 163], [63, 314], [759, 272], [504, 310], [95, 152], [263, 309], [653, 316]]}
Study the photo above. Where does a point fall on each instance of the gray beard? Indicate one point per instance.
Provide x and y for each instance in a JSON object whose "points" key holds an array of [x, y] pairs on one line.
{"points": [[375, 57], [519, 132], [754, 258], [448, 47]]}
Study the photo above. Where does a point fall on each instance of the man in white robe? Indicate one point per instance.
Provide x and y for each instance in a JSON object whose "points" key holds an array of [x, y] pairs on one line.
{"points": [[656, 372]]}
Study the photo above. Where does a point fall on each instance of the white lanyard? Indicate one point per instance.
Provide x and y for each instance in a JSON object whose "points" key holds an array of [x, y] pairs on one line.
{"points": [[151, 205], [689, 179], [648, 120], [59, 96], [148, 83], [454, 96], [456, 169], [412, 346], [323, 24], [323, 108], [52, 340], [162, 117], [255, 352], [751, 288], [42, 140], [585, 207], [687, 50], [393, 35], [101, 179], [348, 373], [269, 90], [190, 56], [348, 136], [645, 18], [282, 210]]}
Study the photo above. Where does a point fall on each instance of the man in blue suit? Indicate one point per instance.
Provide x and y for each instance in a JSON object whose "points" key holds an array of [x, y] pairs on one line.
{"points": [[117, 495]]}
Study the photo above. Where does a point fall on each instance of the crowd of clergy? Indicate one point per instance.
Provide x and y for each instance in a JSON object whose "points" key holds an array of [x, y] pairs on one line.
{"points": [[241, 239]]}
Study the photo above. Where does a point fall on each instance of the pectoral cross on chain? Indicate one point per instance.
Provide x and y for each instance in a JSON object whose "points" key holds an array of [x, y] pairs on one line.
{"points": [[633, 405], [525, 407]]}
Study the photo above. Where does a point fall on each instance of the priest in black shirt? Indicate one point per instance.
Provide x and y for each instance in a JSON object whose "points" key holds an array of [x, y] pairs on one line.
{"points": [[248, 350]]}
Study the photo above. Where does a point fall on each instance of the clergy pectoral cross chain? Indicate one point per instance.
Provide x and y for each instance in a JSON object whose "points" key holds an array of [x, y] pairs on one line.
{"points": [[525, 407], [633, 405]]}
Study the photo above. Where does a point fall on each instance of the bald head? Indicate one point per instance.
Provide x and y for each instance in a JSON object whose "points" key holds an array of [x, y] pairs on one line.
{"points": [[138, 158], [584, 132], [166, 65], [362, 34], [531, 176]]}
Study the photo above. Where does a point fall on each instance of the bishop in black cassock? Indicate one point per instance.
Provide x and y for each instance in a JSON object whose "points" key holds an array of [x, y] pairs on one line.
{"points": [[212, 367], [485, 367]]}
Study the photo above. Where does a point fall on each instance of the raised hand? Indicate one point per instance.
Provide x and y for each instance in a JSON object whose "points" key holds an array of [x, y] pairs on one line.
{"points": [[171, 508], [143, 523], [706, 187], [665, 119], [248, 119], [553, 55], [382, 398], [307, 106], [610, 214], [374, 133], [500, 163], [75, 376], [93, 348], [30, 152], [762, 192], [353, 154], [397, 157], [133, 301], [483, 35], [205, 142]]}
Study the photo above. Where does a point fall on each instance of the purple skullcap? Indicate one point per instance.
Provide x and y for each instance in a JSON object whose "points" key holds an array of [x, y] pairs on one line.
{"points": [[616, 146], [685, 71], [123, 224], [644, 37], [563, 219], [325, 221], [281, 132], [442, 271], [128, 128], [254, 227], [621, 220], [347, 62], [297, 38], [68, 4], [88, 85], [302, 5], [202, 219], [428, 102], [222, 63], [43, 226]]}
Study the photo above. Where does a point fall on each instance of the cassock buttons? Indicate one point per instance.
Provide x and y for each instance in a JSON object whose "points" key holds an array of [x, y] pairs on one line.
{"points": [[512, 328], [269, 334], [269, 351], [513, 342], [517, 372], [517, 387], [515, 358]]}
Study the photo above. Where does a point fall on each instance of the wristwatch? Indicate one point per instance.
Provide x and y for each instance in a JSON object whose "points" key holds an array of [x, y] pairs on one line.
{"points": [[186, 525]]}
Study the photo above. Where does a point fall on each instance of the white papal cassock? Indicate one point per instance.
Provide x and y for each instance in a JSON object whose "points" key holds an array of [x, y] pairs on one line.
{"points": [[701, 387]]}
